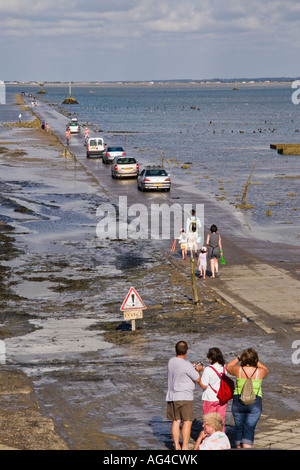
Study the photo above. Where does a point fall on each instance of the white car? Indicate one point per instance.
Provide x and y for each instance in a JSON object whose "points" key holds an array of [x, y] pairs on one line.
{"points": [[95, 147], [74, 126], [111, 153]]}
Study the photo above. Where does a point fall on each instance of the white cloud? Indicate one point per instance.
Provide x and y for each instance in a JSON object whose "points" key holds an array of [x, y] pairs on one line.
{"points": [[198, 30]]}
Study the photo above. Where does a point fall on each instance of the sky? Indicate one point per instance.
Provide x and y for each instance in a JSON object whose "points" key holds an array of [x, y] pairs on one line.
{"points": [[136, 40]]}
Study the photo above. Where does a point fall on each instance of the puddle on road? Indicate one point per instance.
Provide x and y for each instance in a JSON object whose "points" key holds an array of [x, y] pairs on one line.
{"points": [[55, 340]]}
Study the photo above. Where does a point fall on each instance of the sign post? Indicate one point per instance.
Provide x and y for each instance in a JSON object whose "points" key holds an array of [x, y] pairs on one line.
{"points": [[132, 307]]}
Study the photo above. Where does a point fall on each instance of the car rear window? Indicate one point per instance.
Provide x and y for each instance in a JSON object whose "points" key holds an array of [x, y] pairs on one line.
{"points": [[114, 149], [126, 161], [93, 142], [156, 173]]}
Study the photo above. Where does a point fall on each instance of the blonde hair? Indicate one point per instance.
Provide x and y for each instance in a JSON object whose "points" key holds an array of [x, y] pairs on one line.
{"points": [[214, 420]]}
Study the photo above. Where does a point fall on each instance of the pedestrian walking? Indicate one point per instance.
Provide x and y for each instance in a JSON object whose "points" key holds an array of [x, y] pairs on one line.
{"points": [[20, 117], [193, 226], [182, 377], [183, 244], [246, 417], [202, 262], [214, 243]]}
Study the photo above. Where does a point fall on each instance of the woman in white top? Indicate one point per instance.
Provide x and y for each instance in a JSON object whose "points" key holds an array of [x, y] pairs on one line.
{"points": [[210, 383]]}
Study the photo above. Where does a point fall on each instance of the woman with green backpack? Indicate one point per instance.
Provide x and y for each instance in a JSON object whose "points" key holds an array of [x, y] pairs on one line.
{"points": [[247, 399]]}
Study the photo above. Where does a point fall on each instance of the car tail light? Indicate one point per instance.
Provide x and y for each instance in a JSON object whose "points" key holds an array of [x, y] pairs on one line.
{"points": [[167, 179], [124, 153], [108, 154], [116, 167], [137, 166], [147, 179]]}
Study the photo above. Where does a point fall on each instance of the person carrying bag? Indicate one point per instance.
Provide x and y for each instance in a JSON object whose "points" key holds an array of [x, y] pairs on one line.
{"points": [[247, 400]]}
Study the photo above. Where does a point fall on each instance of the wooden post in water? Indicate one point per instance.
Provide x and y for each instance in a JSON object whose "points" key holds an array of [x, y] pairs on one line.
{"points": [[193, 277], [247, 185]]}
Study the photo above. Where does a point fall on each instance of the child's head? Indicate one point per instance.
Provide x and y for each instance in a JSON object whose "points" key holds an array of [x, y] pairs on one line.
{"points": [[203, 249], [182, 230]]}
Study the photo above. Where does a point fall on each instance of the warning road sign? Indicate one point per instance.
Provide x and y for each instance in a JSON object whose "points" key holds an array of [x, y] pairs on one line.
{"points": [[133, 301]]}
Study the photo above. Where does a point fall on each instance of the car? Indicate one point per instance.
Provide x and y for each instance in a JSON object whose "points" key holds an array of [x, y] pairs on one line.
{"points": [[74, 126], [95, 147], [111, 153], [154, 178], [123, 167]]}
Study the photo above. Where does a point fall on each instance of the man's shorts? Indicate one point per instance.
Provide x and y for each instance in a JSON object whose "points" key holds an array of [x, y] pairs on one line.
{"points": [[180, 410]]}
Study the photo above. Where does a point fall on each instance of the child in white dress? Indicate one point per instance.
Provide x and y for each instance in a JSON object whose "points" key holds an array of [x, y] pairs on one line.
{"points": [[202, 261]]}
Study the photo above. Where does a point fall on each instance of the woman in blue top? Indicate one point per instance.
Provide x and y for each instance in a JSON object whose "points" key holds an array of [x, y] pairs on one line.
{"points": [[246, 416]]}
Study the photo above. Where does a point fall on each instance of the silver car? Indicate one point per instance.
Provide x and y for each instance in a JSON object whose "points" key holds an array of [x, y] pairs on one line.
{"points": [[124, 167], [154, 178], [111, 153]]}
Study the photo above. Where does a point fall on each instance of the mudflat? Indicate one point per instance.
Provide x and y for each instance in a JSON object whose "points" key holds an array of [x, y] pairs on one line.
{"points": [[75, 374]]}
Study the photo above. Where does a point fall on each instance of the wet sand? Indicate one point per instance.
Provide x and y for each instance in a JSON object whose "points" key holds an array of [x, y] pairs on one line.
{"points": [[103, 386]]}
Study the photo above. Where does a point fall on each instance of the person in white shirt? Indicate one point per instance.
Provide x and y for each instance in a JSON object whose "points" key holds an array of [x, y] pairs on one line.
{"points": [[202, 262], [180, 395], [210, 383], [183, 244], [193, 226]]}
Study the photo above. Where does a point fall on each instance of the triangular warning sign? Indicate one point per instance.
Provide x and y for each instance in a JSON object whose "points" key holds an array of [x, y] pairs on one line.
{"points": [[132, 301]]}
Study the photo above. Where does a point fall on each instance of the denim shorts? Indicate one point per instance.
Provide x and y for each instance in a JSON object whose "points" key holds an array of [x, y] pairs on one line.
{"points": [[246, 418]]}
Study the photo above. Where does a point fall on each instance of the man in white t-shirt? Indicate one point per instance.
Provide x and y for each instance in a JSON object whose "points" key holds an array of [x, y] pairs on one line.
{"points": [[193, 226], [182, 377]]}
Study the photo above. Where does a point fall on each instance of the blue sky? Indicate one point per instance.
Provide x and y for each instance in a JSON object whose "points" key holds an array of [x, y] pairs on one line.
{"points": [[101, 40]]}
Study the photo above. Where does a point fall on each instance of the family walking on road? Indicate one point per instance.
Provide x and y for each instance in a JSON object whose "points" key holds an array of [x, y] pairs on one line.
{"points": [[182, 379], [210, 253]]}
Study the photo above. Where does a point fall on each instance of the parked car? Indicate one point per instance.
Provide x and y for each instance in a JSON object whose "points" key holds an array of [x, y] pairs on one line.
{"points": [[111, 153], [123, 167], [154, 178], [74, 126], [95, 147]]}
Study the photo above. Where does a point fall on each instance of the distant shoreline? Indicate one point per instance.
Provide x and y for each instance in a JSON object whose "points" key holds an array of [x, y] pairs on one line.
{"points": [[183, 83]]}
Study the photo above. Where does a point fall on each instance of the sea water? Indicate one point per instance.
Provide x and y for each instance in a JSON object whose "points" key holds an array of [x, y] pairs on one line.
{"points": [[210, 136]]}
